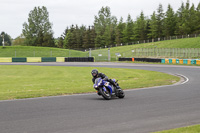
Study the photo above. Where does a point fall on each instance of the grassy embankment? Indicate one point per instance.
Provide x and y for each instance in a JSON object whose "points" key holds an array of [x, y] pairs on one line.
{"points": [[17, 82], [30, 51], [190, 129]]}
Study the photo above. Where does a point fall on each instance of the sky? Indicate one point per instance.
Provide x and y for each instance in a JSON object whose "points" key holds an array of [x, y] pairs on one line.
{"points": [[63, 13]]}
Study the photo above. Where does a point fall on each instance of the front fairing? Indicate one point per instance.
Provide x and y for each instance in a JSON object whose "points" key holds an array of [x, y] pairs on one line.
{"points": [[98, 83]]}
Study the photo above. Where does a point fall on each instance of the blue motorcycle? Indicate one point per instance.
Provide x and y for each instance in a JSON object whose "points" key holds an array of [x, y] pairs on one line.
{"points": [[107, 90]]}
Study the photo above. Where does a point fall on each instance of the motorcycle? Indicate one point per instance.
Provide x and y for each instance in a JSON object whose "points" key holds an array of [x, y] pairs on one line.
{"points": [[107, 90]]}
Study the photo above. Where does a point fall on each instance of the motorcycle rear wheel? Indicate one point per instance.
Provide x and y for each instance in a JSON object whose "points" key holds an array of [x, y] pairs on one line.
{"points": [[105, 94]]}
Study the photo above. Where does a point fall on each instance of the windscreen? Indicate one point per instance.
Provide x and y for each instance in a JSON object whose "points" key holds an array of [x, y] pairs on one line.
{"points": [[96, 80]]}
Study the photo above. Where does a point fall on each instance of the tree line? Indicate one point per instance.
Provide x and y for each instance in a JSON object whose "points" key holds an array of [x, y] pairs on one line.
{"points": [[108, 30]]}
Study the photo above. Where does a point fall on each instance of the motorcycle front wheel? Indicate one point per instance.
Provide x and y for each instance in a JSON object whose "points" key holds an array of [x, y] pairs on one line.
{"points": [[121, 94], [105, 94]]}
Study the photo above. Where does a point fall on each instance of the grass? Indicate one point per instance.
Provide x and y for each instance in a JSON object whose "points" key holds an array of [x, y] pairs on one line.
{"points": [[190, 129], [178, 43], [31, 51], [17, 82]]}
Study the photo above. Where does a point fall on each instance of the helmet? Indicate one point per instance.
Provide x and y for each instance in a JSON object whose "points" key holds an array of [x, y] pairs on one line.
{"points": [[94, 72]]}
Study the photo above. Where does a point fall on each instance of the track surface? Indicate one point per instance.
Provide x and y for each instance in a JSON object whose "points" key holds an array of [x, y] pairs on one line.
{"points": [[141, 111]]}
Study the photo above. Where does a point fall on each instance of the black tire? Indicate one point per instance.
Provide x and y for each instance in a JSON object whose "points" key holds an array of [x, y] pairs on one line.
{"points": [[106, 95], [121, 94]]}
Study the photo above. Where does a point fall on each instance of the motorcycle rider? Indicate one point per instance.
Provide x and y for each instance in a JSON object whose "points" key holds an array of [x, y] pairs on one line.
{"points": [[96, 74]]}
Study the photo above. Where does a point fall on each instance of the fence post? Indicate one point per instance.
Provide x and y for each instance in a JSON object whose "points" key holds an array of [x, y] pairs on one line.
{"points": [[135, 52], [109, 54], [90, 52]]}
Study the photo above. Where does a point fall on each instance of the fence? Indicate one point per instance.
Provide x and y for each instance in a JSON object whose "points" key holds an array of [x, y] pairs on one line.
{"points": [[163, 52], [111, 55]]}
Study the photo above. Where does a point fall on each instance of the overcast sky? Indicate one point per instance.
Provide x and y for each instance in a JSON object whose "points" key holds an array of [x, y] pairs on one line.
{"points": [[63, 13]]}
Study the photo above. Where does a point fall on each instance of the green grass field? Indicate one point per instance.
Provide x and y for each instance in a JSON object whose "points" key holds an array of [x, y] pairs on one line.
{"points": [[190, 129], [30, 51], [17, 82]]}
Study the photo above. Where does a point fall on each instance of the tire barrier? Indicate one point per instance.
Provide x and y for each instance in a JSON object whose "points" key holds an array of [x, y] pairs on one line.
{"points": [[140, 59], [166, 61], [6, 59], [60, 59], [19, 60], [47, 59], [34, 59], [183, 61], [148, 59], [125, 59], [79, 59]]}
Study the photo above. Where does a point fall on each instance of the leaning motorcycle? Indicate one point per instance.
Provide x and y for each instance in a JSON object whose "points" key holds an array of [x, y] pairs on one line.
{"points": [[107, 90]]}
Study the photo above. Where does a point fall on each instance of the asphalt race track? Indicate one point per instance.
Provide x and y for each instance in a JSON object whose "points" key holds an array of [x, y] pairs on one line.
{"points": [[141, 111]]}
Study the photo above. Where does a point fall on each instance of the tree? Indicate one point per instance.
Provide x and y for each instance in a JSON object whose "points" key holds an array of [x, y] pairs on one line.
{"points": [[179, 18], [153, 31], [160, 20], [186, 16], [60, 42], [193, 19], [7, 39], [48, 40], [128, 31], [140, 28], [38, 30], [104, 25], [119, 31], [183, 14], [68, 40], [169, 22], [197, 29], [19, 40], [86, 38]]}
